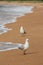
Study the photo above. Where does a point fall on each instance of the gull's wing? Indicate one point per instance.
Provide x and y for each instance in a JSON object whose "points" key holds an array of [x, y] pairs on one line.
{"points": [[21, 46]]}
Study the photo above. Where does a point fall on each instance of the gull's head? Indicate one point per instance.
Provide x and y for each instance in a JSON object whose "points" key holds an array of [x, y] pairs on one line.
{"points": [[27, 39], [21, 27]]}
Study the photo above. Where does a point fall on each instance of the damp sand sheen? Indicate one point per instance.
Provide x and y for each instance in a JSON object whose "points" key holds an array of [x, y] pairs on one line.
{"points": [[9, 14]]}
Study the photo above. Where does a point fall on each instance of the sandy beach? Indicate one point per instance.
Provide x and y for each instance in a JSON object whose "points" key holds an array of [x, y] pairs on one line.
{"points": [[33, 25]]}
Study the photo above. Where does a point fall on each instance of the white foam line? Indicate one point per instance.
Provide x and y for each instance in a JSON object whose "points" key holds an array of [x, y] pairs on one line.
{"points": [[8, 49], [5, 42], [5, 31], [5, 46]]}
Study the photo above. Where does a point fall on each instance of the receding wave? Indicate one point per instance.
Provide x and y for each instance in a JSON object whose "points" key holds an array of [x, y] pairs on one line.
{"points": [[5, 46]]}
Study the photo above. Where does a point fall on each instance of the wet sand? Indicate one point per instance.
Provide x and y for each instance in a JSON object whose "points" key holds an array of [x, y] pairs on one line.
{"points": [[33, 25]]}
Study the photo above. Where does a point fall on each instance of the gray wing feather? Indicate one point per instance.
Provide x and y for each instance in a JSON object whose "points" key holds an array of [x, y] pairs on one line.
{"points": [[21, 47]]}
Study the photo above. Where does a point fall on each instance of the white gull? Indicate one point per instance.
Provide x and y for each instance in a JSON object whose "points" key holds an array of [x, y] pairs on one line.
{"points": [[22, 31], [24, 46]]}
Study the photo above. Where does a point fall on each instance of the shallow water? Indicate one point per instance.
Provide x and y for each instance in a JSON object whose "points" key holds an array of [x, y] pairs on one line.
{"points": [[5, 46], [9, 14]]}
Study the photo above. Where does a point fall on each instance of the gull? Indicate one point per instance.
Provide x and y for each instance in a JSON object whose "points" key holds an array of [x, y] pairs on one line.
{"points": [[24, 46], [22, 31]]}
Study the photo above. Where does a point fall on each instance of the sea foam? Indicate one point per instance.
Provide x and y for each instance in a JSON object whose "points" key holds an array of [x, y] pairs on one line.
{"points": [[5, 46]]}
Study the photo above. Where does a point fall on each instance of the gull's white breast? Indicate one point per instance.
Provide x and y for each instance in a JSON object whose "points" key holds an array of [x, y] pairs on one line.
{"points": [[26, 46], [22, 30]]}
